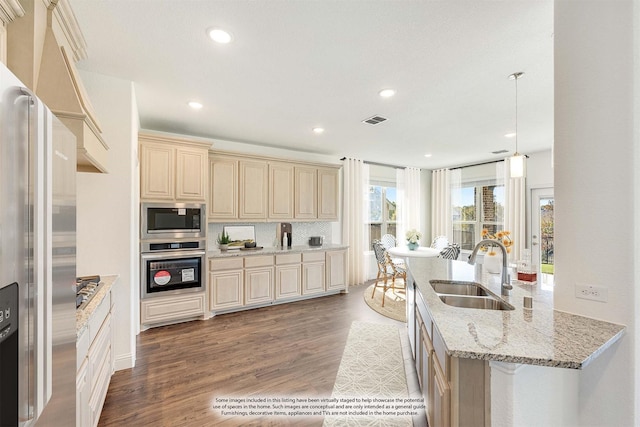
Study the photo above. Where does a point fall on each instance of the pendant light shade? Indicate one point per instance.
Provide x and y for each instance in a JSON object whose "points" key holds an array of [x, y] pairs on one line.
{"points": [[517, 160], [517, 165]]}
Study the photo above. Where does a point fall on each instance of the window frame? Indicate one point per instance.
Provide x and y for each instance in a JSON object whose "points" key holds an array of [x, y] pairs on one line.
{"points": [[384, 185], [480, 222]]}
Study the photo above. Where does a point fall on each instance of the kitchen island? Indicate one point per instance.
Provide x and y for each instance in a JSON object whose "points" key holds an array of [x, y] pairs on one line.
{"points": [[482, 366]]}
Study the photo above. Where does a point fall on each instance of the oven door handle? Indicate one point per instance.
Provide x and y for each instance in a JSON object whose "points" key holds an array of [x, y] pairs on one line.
{"points": [[172, 254]]}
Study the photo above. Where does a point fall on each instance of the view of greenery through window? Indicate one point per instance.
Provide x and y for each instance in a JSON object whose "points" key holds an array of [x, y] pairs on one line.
{"points": [[382, 212], [474, 208], [546, 235]]}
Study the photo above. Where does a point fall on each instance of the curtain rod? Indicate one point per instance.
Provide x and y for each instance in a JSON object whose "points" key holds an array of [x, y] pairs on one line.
{"points": [[380, 164], [480, 164]]}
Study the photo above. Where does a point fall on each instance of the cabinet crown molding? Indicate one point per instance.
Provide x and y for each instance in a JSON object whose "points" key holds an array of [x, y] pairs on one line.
{"points": [[239, 155], [10, 10]]}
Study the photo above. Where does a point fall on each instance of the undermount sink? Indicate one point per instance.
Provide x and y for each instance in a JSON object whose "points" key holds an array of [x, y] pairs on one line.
{"points": [[458, 288], [483, 303]]}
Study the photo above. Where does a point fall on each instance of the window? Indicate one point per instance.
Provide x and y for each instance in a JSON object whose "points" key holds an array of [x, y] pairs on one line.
{"points": [[475, 207], [382, 211]]}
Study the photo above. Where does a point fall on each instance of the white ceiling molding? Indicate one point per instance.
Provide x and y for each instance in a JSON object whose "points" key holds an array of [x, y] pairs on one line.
{"points": [[10, 10]]}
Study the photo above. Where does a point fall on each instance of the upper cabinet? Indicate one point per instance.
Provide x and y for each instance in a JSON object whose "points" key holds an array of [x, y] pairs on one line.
{"points": [[43, 43], [243, 187], [172, 169]]}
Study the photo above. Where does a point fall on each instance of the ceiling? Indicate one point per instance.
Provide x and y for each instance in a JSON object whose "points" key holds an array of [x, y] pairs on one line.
{"points": [[294, 65]]}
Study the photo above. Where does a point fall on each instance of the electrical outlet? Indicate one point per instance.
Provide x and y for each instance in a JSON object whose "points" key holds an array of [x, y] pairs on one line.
{"points": [[596, 293]]}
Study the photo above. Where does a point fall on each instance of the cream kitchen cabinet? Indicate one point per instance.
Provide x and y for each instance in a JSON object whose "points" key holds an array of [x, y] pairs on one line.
{"points": [[169, 309], [238, 188], [453, 388], [172, 169], [254, 181], [288, 276], [223, 188], [94, 364], [281, 190], [252, 188], [226, 283], [328, 193], [317, 192], [336, 266], [258, 275], [313, 273], [306, 192]]}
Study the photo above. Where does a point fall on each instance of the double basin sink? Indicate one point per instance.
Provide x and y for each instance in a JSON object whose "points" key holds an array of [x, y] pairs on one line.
{"points": [[468, 295]]}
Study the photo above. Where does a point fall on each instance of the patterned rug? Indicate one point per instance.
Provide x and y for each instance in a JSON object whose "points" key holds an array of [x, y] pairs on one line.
{"points": [[372, 367], [395, 305]]}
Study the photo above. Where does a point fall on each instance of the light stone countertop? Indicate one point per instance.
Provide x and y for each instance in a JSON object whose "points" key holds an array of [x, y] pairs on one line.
{"points": [[83, 315], [272, 250], [541, 336]]}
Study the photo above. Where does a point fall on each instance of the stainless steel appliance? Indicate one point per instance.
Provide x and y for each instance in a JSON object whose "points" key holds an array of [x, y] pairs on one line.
{"points": [[173, 221], [37, 243], [173, 267]]}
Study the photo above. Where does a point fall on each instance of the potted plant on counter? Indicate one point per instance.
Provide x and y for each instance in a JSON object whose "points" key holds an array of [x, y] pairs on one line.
{"points": [[223, 241]]}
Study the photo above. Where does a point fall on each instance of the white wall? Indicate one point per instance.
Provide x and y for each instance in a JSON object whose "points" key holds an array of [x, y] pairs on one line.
{"points": [[108, 209], [596, 142]]}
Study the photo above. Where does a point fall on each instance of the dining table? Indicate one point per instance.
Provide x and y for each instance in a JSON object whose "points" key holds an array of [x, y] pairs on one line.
{"points": [[419, 252]]}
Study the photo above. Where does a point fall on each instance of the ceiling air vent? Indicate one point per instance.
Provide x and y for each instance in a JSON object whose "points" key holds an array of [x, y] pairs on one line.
{"points": [[374, 120], [499, 152]]}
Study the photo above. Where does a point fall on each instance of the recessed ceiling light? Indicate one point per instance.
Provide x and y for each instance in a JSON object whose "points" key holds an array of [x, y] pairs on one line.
{"points": [[428, 155], [195, 105], [318, 130], [509, 135], [387, 93], [219, 36]]}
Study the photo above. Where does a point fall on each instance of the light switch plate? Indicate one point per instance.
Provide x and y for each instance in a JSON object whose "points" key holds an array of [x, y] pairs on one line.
{"points": [[595, 293]]}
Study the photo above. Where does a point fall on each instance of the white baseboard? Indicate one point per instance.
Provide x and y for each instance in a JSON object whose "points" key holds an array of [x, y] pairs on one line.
{"points": [[126, 361]]}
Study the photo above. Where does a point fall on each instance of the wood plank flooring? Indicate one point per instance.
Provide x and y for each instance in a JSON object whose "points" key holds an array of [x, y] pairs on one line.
{"points": [[283, 350]]}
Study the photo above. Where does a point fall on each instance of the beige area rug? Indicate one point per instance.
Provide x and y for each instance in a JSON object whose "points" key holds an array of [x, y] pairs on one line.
{"points": [[372, 367], [395, 303]]}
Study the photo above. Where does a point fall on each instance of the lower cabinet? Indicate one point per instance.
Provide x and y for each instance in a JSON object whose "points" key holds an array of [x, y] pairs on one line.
{"points": [[94, 365], [248, 281], [288, 276], [336, 265], [313, 273], [170, 308], [453, 388]]}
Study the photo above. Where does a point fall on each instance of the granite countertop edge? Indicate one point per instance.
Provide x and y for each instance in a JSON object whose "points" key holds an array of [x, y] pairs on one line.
{"points": [[542, 336], [83, 315], [272, 250]]}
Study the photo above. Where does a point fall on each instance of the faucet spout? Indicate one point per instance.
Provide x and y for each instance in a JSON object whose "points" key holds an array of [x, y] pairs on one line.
{"points": [[505, 280]]}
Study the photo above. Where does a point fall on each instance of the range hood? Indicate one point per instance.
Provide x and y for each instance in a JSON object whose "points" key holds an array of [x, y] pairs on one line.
{"points": [[61, 89]]}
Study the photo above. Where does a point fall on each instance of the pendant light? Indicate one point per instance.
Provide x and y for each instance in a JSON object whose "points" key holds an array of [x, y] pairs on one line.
{"points": [[517, 160]]}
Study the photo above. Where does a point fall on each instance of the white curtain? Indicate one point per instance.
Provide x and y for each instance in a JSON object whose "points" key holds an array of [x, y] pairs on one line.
{"points": [[408, 198], [441, 182], [355, 232], [514, 210]]}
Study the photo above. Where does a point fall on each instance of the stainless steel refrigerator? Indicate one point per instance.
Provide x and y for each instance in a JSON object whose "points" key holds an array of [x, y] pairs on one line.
{"points": [[37, 262]]}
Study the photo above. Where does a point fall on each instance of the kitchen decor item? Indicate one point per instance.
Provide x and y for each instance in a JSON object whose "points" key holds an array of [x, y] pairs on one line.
{"points": [[315, 241], [239, 235]]}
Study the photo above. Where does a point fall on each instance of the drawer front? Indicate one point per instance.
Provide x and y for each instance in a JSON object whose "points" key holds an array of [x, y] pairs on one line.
{"points": [[157, 310], [82, 348], [98, 353], [217, 264], [258, 261], [313, 256], [441, 353], [98, 316], [288, 259]]}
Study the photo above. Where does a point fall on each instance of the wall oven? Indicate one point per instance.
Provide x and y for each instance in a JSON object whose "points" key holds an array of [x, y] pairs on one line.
{"points": [[173, 267], [173, 221]]}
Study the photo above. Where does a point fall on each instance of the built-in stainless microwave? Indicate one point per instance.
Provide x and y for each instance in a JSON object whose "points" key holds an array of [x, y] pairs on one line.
{"points": [[172, 220]]}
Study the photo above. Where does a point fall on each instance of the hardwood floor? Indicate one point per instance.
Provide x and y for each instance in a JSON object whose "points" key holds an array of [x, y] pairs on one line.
{"points": [[284, 350]]}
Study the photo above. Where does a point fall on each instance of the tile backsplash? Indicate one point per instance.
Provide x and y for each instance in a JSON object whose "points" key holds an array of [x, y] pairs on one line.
{"points": [[266, 232]]}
